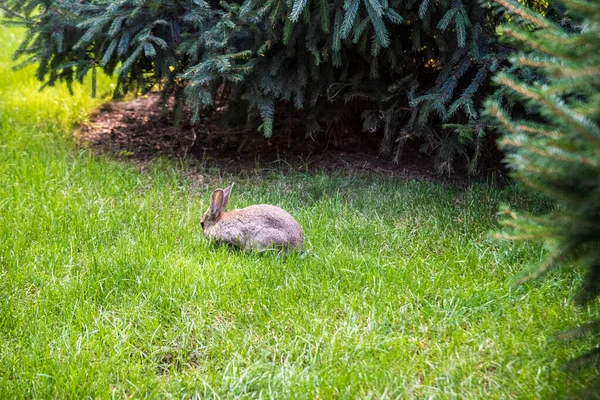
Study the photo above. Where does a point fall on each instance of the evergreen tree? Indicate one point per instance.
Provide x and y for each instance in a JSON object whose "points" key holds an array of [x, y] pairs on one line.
{"points": [[416, 68], [556, 149]]}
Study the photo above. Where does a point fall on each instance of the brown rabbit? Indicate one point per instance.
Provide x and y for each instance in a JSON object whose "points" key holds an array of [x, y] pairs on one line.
{"points": [[255, 227]]}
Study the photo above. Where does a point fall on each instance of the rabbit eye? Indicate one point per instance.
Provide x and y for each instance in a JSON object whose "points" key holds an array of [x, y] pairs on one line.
{"points": [[202, 225]]}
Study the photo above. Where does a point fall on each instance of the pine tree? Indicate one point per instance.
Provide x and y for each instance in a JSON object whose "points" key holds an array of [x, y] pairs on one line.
{"points": [[556, 148], [418, 69]]}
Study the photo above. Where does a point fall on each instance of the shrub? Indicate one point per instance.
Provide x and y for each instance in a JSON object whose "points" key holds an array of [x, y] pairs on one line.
{"points": [[415, 68], [556, 151]]}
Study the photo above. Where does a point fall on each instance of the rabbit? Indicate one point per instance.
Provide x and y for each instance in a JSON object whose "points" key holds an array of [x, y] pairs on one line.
{"points": [[256, 227]]}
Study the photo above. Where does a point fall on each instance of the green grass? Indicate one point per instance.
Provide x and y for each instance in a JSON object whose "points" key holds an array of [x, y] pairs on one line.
{"points": [[107, 287]]}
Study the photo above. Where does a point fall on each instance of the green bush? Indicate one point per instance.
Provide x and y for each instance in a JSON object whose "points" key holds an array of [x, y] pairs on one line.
{"points": [[414, 68], [556, 151]]}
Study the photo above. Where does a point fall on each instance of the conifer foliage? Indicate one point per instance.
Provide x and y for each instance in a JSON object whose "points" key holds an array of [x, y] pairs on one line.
{"points": [[557, 149], [417, 67]]}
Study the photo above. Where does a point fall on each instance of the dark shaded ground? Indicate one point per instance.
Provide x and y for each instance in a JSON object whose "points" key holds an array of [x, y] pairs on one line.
{"points": [[141, 129]]}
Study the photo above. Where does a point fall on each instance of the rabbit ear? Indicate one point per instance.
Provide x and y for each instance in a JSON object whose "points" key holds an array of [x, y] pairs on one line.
{"points": [[226, 193], [216, 202]]}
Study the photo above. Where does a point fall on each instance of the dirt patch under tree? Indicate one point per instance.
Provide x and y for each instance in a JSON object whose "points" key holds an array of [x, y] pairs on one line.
{"points": [[143, 129]]}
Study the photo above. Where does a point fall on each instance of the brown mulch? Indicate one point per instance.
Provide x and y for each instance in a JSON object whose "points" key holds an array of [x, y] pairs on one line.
{"points": [[142, 129]]}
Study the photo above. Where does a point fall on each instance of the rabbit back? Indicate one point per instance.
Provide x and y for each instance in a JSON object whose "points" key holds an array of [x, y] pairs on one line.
{"points": [[258, 227]]}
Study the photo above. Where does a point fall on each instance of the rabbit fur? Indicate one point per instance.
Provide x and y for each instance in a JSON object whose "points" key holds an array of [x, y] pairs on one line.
{"points": [[255, 227]]}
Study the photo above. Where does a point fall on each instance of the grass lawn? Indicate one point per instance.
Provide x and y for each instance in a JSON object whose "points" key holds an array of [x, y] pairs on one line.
{"points": [[107, 287]]}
